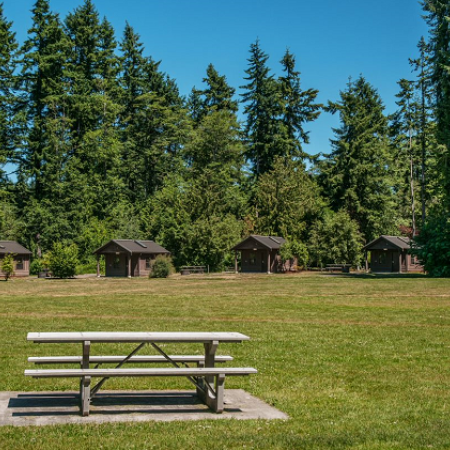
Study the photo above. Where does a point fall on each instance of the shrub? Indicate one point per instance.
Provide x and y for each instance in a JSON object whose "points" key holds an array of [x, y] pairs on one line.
{"points": [[36, 266], [63, 260], [295, 249], [7, 266], [162, 267]]}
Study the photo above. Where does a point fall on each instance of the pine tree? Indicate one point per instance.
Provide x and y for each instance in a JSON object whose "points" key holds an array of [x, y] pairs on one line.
{"points": [[218, 95], [43, 101], [355, 176], [94, 108], [288, 200], [405, 125], [262, 101], [8, 50], [299, 108], [438, 14], [425, 135]]}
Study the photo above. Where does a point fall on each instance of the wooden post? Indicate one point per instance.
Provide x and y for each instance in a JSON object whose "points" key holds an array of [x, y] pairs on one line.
{"points": [[98, 266], [129, 267], [268, 261], [235, 262], [400, 262], [367, 260]]}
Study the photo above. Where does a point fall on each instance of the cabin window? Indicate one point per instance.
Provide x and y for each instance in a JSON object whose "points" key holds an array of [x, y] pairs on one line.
{"points": [[382, 258], [19, 264], [116, 262], [148, 262], [253, 259]]}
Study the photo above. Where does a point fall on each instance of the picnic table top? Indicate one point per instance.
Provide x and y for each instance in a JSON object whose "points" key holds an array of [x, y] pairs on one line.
{"points": [[119, 336]]}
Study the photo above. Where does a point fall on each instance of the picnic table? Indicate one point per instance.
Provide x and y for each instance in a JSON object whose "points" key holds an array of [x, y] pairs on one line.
{"points": [[338, 267], [207, 378]]}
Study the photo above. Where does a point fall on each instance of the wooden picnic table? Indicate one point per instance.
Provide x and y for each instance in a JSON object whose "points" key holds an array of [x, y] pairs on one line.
{"points": [[202, 376]]}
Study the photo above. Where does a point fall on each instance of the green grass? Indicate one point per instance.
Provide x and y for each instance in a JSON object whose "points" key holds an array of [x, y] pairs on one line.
{"points": [[356, 362]]}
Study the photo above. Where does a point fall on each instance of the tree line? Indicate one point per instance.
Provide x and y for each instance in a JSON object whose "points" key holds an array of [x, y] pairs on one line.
{"points": [[104, 146]]}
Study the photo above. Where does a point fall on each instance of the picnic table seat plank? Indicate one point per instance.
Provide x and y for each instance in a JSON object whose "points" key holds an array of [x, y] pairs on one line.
{"points": [[136, 372], [118, 358]]}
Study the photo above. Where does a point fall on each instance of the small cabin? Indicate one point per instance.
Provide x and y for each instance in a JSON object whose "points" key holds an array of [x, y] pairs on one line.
{"points": [[21, 257], [259, 254], [390, 254], [128, 257]]}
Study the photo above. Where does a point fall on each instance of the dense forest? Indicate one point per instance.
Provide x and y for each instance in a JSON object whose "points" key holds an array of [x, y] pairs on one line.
{"points": [[104, 146]]}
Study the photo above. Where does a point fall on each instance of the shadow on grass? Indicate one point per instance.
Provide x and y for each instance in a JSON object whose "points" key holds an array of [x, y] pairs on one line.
{"points": [[376, 276]]}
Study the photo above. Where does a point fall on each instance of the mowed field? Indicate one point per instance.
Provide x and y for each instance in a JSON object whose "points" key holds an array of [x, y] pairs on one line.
{"points": [[356, 362]]}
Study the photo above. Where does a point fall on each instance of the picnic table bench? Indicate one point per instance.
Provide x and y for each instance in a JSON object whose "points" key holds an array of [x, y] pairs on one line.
{"points": [[338, 267], [187, 270], [208, 379]]}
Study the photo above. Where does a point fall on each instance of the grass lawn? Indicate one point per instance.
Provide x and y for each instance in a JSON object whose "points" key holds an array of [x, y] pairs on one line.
{"points": [[356, 362]]}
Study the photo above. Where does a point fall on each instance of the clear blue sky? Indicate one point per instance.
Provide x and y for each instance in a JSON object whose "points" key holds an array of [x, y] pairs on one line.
{"points": [[332, 40]]}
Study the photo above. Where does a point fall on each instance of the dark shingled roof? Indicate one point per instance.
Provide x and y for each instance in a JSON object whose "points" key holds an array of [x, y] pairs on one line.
{"points": [[399, 241], [135, 246], [270, 242], [13, 247]]}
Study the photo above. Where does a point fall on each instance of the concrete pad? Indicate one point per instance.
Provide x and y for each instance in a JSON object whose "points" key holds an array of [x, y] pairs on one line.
{"points": [[52, 408]]}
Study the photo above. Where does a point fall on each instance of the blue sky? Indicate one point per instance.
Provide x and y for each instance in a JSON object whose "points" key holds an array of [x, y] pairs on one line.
{"points": [[331, 39]]}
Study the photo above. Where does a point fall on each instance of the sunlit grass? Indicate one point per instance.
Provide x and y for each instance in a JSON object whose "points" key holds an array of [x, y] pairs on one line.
{"points": [[356, 362]]}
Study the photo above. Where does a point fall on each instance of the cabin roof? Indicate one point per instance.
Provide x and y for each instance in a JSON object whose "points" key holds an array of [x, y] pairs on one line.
{"points": [[269, 242], [13, 247], [134, 246], [400, 242]]}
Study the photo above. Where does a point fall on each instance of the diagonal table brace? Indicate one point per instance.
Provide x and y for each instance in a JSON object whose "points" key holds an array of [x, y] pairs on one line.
{"points": [[194, 380], [97, 387]]}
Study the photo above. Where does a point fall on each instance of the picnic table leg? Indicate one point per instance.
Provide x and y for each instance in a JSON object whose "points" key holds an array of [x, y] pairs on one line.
{"points": [[220, 382], [85, 395], [85, 383], [210, 353]]}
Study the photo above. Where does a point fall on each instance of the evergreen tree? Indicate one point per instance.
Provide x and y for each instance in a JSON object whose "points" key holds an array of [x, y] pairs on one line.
{"points": [[218, 95], [288, 200], [94, 108], [299, 108], [405, 123], [355, 176], [43, 99], [8, 50], [425, 134], [438, 14], [262, 101]]}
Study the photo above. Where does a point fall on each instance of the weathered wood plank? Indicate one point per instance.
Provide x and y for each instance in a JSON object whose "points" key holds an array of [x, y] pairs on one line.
{"points": [[119, 358], [187, 337], [135, 372]]}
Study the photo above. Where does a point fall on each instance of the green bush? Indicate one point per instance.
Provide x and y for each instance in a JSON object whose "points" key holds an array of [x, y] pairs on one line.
{"points": [[63, 260], [162, 267], [7, 265], [36, 266]]}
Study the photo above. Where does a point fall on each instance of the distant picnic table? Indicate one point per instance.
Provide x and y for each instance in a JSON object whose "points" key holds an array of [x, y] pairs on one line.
{"points": [[338, 268], [187, 270]]}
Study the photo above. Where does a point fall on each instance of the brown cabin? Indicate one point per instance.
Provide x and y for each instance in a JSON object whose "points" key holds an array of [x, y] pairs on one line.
{"points": [[390, 254], [259, 254], [21, 257], [128, 257]]}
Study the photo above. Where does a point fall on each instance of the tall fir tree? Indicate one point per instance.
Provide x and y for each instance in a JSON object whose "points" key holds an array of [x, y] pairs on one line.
{"points": [[8, 54], [425, 134], [262, 101], [405, 129], [355, 175], [43, 102], [299, 108], [438, 19]]}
